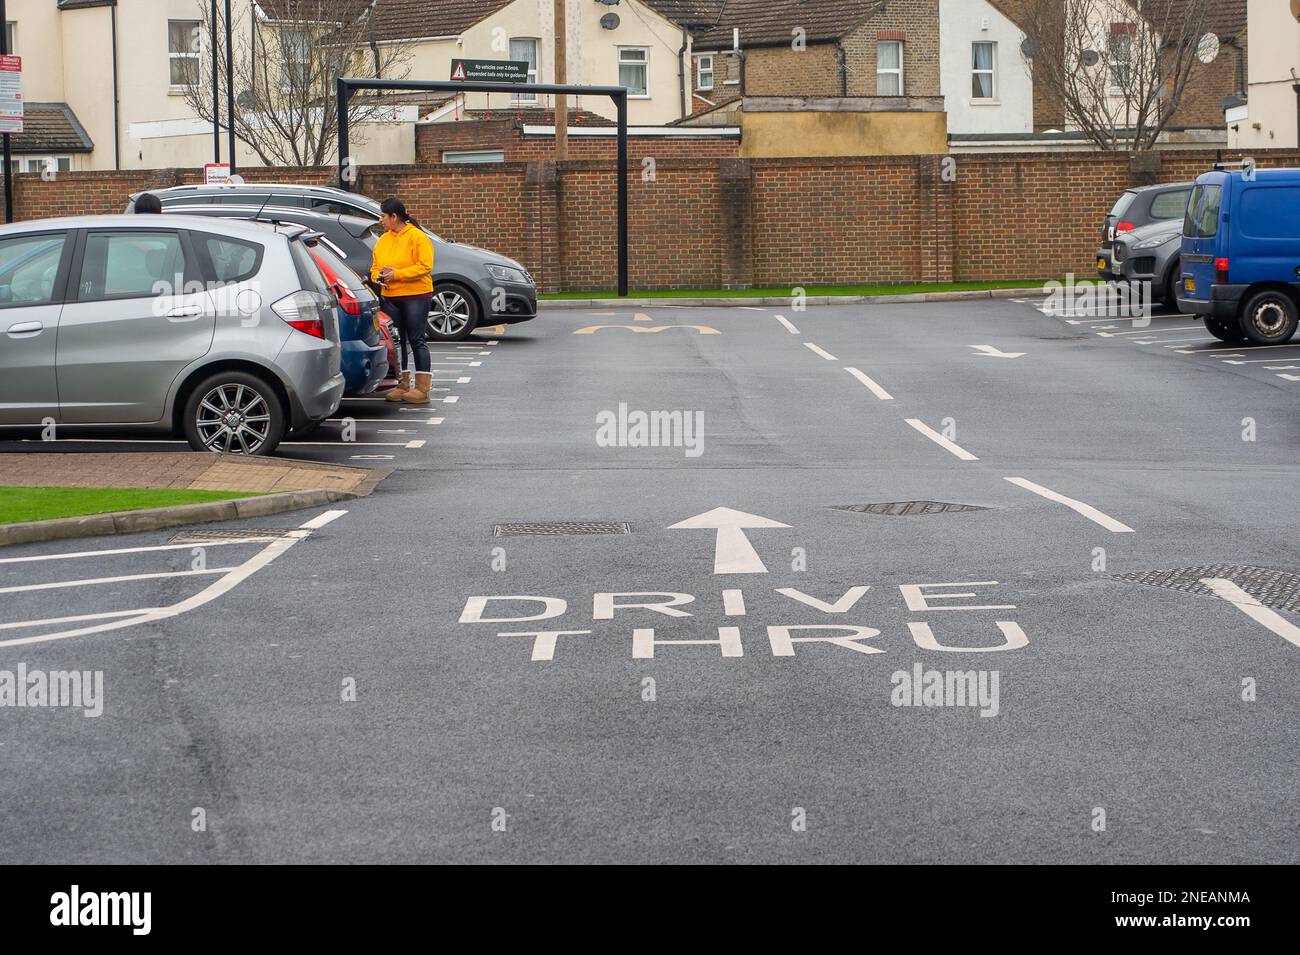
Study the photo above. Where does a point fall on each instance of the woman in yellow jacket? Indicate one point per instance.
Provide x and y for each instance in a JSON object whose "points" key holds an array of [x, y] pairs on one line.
{"points": [[402, 265]]}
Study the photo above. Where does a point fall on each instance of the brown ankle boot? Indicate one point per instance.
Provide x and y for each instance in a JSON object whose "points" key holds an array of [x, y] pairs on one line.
{"points": [[419, 395], [402, 390]]}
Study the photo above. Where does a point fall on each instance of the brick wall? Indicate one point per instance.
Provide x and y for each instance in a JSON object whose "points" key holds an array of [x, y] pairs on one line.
{"points": [[433, 139], [728, 222]]}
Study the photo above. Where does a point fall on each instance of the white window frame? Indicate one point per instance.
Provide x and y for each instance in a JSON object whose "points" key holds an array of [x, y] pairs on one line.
{"points": [[700, 72], [181, 55], [890, 72], [21, 164], [991, 72], [1124, 39], [464, 155], [645, 64], [528, 99]]}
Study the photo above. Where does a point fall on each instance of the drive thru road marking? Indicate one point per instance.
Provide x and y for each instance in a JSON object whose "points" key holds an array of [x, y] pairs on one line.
{"points": [[940, 440], [1087, 510], [1252, 608]]}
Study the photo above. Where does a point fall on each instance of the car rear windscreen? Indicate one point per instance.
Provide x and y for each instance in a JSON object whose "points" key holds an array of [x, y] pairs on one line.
{"points": [[1202, 220], [346, 274], [1122, 203]]}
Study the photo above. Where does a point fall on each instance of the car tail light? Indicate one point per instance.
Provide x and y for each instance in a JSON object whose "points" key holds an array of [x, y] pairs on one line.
{"points": [[1125, 227], [302, 310], [1220, 271], [350, 305]]}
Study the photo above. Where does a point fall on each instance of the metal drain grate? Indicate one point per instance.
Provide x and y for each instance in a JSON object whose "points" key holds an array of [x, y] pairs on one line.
{"points": [[1272, 588], [908, 508], [206, 537], [560, 528]]}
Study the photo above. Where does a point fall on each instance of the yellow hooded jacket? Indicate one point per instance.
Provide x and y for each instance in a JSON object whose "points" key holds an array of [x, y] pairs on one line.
{"points": [[409, 254]]}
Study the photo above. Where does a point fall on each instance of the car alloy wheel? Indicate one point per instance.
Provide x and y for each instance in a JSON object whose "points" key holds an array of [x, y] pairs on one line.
{"points": [[449, 313], [233, 418]]}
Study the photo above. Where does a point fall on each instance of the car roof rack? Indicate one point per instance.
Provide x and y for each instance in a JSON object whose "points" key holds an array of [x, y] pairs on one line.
{"points": [[1246, 165]]}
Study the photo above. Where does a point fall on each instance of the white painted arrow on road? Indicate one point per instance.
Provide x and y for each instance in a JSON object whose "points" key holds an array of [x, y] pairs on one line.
{"points": [[991, 352], [734, 553]]}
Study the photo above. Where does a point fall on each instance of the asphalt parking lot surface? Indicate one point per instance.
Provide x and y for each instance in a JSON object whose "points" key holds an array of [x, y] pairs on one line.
{"points": [[1093, 516]]}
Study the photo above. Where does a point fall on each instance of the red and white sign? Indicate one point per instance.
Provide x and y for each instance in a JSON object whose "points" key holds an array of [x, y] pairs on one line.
{"points": [[215, 173], [11, 94]]}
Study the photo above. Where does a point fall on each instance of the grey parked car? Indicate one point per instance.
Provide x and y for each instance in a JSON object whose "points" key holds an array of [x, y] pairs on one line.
{"points": [[1151, 253], [222, 331], [1137, 207], [471, 286]]}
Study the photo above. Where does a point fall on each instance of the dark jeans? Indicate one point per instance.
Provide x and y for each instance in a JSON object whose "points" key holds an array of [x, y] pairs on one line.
{"points": [[410, 313]]}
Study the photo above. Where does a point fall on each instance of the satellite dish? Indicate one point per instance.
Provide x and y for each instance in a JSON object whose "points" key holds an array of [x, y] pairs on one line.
{"points": [[1030, 46], [610, 21], [246, 100], [1090, 57], [1295, 9], [1207, 50]]}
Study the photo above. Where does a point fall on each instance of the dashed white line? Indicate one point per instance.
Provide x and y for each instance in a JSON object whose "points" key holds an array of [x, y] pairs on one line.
{"points": [[820, 351], [874, 388], [1252, 608], [1087, 510], [940, 440], [789, 326]]}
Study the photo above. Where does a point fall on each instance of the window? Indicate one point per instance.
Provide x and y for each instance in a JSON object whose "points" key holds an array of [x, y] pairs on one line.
{"points": [[1119, 48], [1207, 217], [41, 164], [889, 68], [231, 260], [11, 36], [28, 267], [704, 73], [183, 52], [297, 59], [475, 155], [633, 70], [983, 71], [130, 265], [1170, 205], [524, 50]]}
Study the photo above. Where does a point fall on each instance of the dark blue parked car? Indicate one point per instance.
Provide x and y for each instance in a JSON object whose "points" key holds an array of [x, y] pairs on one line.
{"points": [[1241, 254], [363, 351]]}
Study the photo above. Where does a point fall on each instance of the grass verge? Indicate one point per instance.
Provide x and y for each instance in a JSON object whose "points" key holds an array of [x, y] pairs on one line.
{"points": [[809, 290], [43, 503]]}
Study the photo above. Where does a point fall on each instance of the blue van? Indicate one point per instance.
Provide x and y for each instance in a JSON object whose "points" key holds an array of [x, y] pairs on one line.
{"points": [[1241, 254]]}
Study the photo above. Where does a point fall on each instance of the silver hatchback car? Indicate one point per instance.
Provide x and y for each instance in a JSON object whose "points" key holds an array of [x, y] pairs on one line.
{"points": [[220, 330]]}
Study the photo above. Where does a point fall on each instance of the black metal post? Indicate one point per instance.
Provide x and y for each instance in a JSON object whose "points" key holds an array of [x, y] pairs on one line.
{"points": [[9, 179], [346, 86], [343, 93], [230, 91], [216, 91], [621, 102]]}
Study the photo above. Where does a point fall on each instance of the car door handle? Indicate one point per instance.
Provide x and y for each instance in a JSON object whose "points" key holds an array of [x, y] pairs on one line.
{"points": [[25, 328], [185, 311]]}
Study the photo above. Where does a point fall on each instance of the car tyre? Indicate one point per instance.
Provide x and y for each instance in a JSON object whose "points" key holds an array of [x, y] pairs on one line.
{"points": [[234, 412], [1269, 317], [1229, 331], [1171, 286], [453, 313]]}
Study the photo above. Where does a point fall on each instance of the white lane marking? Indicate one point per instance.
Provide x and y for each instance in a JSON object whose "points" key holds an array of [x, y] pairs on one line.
{"points": [[1261, 361], [1288, 377], [371, 457], [415, 444], [112, 614], [494, 342], [1087, 510], [136, 550], [789, 326], [214, 590], [750, 308], [1253, 609], [454, 364], [435, 421], [1170, 342], [344, 444], [398, 431], [874, 388], [1209, 351], [1277, 367], [991, 351], [940, 440], [820, 351], [90, 581], [1150, 331], [733, 553]]}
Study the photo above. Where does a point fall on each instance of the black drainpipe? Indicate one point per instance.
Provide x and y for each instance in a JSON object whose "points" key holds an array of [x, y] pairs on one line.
{"points": [[117, 120], [681, 72]]}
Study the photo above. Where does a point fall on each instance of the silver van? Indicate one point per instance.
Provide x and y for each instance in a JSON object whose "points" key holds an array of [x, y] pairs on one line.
{"points": [[220, 330]]}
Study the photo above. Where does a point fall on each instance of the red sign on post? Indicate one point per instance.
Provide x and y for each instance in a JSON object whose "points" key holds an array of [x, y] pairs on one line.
{"points": [[11, 94]]}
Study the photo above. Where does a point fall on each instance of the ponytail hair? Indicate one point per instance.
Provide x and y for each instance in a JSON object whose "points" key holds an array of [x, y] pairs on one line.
{"points": [[392, 206]]}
